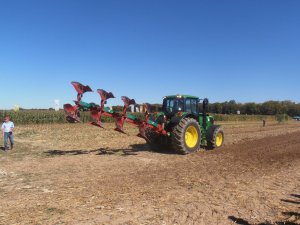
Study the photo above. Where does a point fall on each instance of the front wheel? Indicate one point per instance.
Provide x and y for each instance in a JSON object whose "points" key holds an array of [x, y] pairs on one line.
{"points": [[215, 137]]}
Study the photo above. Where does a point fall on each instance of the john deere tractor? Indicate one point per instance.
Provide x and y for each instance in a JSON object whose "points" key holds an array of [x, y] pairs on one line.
{"points": [[183, 125], [187, 124]]}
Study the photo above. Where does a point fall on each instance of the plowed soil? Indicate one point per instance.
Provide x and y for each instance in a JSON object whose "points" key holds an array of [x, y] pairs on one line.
{"points": [[79, 174]]}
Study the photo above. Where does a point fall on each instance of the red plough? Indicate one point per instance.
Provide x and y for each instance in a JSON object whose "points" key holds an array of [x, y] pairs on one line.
{"points": [[97, 111]]}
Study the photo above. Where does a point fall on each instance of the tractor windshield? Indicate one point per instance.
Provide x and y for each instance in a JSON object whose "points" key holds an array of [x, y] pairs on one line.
{"points": [[172, 105]]}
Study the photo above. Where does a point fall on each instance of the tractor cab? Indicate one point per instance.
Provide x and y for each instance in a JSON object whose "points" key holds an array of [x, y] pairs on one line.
{"points": [[186, 104], [180, 103]]}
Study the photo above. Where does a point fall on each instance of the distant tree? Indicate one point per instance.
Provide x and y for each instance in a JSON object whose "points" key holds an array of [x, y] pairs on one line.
{"points": [[269, 108], [156, 107], [229, 107], [117, 108], [251, 108], [294, 110], [218, 108]]}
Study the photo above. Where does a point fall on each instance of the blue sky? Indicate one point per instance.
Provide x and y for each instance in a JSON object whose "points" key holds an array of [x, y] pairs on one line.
{"points": [[146, 49]]}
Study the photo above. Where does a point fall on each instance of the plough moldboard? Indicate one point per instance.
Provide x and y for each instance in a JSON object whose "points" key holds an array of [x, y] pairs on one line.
{"points": [[72, 112]]}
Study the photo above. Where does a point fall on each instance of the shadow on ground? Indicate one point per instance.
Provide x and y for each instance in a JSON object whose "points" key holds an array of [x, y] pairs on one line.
{"points": [[291, 218], [133, 150]]}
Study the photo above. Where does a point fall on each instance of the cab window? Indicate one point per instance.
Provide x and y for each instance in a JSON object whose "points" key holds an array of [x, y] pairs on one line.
{"points": [[191, 106], [173, 105]]}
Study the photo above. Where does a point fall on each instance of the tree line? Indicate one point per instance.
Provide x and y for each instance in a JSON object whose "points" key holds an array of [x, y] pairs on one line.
{"points": [[251, 108]]}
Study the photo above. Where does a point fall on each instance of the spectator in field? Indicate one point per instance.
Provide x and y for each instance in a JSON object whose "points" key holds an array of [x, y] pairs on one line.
{"points": [[7, 129], [264, 122]]}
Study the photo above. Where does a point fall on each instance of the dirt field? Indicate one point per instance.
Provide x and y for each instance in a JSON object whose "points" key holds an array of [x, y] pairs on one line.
{"points": [[78, 174]]}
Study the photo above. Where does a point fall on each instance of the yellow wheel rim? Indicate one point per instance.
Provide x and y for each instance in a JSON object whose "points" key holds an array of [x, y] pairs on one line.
{"points": [[191, 137], [219, 139]]}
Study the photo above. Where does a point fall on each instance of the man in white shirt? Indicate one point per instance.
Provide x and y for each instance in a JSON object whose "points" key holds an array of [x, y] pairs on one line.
{"points": [[7, 129]]}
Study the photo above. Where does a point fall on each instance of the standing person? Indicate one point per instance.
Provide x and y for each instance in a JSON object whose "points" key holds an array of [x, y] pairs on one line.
{"points": [[7, 129]]}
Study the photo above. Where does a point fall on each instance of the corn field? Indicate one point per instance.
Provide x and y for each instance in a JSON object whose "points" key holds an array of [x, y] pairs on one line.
{"points": [[47, 116], [51, 116], [34, 116]]}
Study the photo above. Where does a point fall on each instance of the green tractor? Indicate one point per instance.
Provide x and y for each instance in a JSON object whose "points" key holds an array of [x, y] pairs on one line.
{"points": [[187, 124], [183, 125]]}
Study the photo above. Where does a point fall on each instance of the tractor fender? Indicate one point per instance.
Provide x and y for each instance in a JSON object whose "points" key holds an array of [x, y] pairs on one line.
{"points": [[177, 118]]}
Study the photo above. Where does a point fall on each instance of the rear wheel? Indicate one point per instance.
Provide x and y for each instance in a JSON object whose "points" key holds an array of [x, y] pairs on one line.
{"points": [[186, 136], [215, 137]]}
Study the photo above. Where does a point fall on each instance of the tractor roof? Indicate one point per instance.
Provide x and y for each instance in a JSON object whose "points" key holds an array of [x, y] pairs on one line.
{"points": [[181, 96]]}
